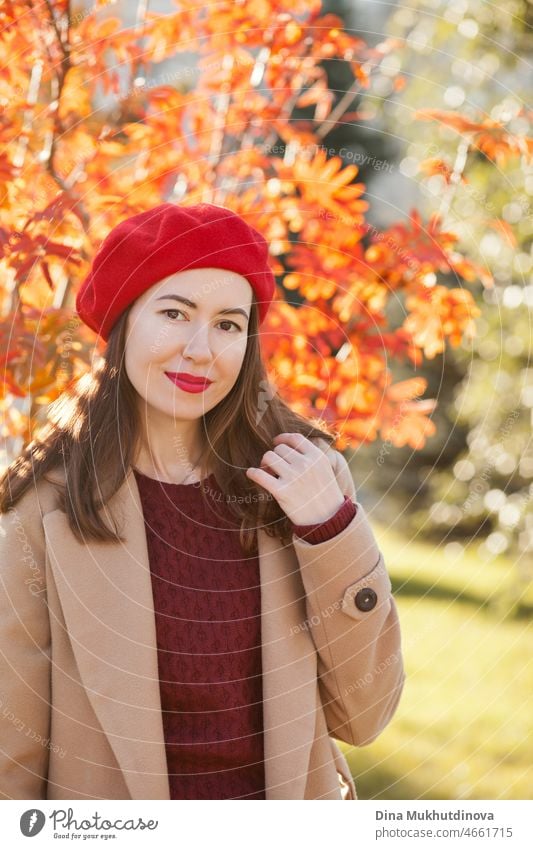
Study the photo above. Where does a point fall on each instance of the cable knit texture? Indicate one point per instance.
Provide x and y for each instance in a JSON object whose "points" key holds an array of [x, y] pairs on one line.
{"points": [[207, 602]]}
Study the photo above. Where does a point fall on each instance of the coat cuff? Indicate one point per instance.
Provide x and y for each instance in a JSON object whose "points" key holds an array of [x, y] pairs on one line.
{"points": [[322, 531]]}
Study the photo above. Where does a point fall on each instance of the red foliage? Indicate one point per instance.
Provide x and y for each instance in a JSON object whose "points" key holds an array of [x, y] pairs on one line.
{"points": [[221, 130]]}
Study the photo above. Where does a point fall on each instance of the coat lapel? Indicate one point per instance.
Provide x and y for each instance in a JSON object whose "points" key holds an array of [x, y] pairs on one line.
{"points": [[289, 672], [106, 596]]}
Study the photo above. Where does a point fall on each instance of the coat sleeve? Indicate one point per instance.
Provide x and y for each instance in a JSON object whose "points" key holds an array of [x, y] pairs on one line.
{"points": [[24, 653], [360, 666]]}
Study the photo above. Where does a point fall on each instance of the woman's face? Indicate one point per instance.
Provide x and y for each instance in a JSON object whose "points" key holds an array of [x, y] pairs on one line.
{"points": [[166, 336]]}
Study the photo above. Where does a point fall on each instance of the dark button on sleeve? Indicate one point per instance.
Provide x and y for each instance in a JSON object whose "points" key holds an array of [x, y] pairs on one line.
{"points": [[366, 599]]}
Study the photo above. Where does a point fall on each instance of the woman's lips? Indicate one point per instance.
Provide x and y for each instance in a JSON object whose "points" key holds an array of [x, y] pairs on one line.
{"points": [[188, 385]]}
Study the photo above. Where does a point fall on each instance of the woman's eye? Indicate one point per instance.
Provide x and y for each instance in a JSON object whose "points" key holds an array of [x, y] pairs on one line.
{"points": [[224, 320], [165, 312]]}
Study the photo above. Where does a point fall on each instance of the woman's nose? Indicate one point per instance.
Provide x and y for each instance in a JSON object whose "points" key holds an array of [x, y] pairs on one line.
{"points": [[198, 344]]}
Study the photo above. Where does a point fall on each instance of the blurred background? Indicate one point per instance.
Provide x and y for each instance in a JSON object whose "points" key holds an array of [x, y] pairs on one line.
{"points": [[385, 152]]}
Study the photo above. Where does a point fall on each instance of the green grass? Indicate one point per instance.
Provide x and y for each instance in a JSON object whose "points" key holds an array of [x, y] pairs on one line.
{"points": [[463, 727]]}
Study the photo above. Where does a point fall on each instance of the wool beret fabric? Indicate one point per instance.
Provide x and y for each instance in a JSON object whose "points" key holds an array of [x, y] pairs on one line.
{"points": [[144, 248]]}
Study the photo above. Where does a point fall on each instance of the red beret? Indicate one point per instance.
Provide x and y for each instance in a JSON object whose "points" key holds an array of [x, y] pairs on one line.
{"points": [[151, 245]]}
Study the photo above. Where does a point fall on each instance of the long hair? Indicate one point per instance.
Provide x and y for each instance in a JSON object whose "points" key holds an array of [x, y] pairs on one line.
{"points": [[94, 432]]}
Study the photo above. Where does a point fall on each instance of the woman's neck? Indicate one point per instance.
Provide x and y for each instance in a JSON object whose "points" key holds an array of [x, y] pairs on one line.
{"points": [[181, 470]]}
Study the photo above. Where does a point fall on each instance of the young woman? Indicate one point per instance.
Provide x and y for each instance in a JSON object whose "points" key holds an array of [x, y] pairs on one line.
{"points": [[193, 604]]}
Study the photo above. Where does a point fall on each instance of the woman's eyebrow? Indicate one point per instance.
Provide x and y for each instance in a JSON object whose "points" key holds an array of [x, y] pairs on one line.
{"points": [[188, 303]]}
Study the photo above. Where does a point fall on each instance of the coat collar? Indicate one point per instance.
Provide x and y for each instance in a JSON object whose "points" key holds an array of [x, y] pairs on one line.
{"points": [[106, 597]]}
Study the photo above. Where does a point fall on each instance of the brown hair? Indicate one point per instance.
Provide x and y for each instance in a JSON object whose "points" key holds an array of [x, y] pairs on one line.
{"points": [[93, 430]]}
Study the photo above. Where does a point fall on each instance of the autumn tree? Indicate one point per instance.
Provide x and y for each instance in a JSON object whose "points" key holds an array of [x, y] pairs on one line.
{"points": [[226, 134]]}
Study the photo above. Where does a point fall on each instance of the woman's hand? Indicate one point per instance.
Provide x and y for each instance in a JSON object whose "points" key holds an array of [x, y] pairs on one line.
{"points": [[306, 488]]}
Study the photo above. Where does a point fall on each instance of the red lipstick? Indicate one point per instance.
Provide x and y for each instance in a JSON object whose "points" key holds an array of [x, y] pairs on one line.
{"points": [[188, 382]]}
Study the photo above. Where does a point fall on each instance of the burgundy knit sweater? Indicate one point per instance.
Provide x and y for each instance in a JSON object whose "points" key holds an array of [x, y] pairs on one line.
{"points": [[207, 603]]}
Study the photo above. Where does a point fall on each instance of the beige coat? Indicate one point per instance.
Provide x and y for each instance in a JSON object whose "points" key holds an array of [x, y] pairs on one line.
{"points": [[80, 711]]}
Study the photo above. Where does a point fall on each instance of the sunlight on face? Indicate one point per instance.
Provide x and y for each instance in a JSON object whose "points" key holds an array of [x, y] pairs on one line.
{"points": [[164, 335]]}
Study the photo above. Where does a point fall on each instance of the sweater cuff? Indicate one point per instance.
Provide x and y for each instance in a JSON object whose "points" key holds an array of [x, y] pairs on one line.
{"points": [[322, 531]]}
